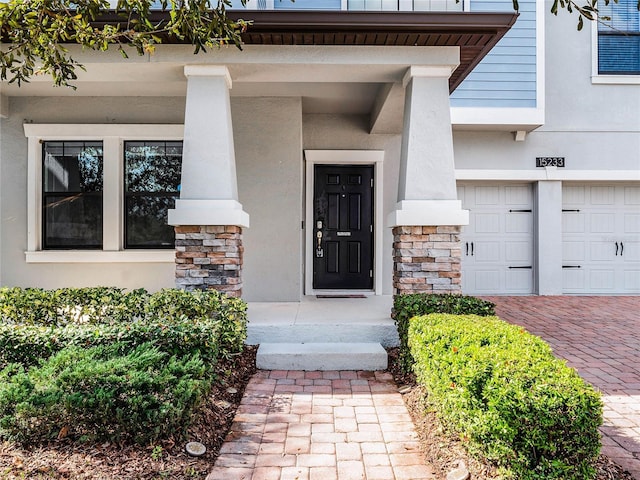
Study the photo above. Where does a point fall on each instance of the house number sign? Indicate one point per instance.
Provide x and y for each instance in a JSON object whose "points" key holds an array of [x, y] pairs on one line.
{"points": [[550, 162]]}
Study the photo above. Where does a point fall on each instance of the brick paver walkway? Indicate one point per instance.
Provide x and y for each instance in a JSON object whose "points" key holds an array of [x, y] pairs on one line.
{"points": [[600, 337], [321, 426]]}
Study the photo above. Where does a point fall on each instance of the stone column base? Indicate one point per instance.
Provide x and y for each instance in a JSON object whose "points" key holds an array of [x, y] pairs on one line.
{"points": [[209, 256], [426, 259]]}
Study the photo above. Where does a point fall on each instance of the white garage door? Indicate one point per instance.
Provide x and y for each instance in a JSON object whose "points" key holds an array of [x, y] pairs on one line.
{"points": [[601, 239], [497, 245]]}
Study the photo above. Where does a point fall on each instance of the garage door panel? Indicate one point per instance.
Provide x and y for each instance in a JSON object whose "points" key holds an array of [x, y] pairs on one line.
{"points": [[602, 280], [602, 223], [497, 238], [518, 223], [487, 223], [518, 252], [486, 195], [573, 222], [486, 252], [519, 281], [630, 250], [487, 280], [573, 195], [602, 251], [632, 195], [517, 196], [573, 280], [573, 251], [602, 195], [631, 280], [632, 223], [611, 239]]}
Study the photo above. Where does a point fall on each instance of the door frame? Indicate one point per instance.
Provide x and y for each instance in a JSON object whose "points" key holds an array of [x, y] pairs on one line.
{"points": [[344, 157]]}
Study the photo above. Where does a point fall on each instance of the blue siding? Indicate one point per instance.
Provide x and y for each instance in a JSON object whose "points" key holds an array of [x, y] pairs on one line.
{"points": [[506, 77]]}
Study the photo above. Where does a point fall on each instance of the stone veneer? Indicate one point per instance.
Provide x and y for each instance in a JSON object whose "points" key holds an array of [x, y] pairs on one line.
{"points": [[426, 259], [209, 256]]}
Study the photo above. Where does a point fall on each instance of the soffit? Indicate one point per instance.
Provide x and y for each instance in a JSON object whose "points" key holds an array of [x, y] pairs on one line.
{"points": [[474, 33]]}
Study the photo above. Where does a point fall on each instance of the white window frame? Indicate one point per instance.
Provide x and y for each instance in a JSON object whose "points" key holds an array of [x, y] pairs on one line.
{"points": [[603, 79], [112, 137]]}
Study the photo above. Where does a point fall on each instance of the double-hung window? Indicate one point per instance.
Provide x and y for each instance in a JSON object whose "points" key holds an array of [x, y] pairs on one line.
{"points": [[619, 38], [101, 192], [151, 183], [72, 195]]}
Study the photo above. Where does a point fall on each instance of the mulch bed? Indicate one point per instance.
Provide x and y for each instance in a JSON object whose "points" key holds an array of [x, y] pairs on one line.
{"points": [[67, 458]]}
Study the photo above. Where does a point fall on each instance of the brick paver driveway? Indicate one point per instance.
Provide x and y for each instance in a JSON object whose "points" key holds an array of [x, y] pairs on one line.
{"points": [[600, 337]]}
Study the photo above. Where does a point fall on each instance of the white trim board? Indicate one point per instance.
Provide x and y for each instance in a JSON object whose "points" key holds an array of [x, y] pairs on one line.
{"points": [[549, 173], [344, 157]]}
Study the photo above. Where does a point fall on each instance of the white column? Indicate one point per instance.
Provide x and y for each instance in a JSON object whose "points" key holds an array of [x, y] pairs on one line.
{"points": [[209, 188], [427, 187], [548, 229]]}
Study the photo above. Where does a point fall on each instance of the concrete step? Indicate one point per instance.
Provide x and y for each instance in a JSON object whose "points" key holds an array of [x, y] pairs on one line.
{"points": [[383, 332], [321, 356]]}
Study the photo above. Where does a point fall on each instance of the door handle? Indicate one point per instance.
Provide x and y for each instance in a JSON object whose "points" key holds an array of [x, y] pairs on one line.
{"points": [[621, 248], [472, 249], [616, 249], [319, 251], [467, 248]]}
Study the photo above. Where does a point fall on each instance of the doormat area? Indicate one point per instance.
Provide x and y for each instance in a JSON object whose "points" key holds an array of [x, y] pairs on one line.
{"points": [[342, 296]]}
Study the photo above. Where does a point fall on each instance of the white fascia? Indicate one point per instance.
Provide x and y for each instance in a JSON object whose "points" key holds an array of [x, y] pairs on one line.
{"points": [[549, 173]]}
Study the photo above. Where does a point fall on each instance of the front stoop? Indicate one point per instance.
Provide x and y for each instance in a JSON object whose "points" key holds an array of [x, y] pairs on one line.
{"points": [[321, 356]]}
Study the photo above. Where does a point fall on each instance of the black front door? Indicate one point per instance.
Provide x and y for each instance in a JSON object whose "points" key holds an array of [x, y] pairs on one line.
{"points": [[343, 227]]}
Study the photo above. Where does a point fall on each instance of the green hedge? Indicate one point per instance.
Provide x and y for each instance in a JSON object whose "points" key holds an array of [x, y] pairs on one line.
{"points": [[407, 306], [503, 392], [108, 392], [176, 321]]}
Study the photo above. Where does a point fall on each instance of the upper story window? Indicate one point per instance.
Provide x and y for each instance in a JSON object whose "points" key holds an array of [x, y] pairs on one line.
{"points": [[619, 39], [72, 184], [151, 183]]}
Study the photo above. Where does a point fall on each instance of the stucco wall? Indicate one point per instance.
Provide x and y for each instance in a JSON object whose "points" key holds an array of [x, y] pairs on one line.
{"points": [[593, 126], [13, 203], [351, 132], [268, 143]]}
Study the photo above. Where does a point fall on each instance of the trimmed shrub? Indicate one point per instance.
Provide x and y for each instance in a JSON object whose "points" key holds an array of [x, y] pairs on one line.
{"points": [[30, 344], [102, 393], [407, 306], [175, 321], [229, 312], [509, 399], [35, 306]]}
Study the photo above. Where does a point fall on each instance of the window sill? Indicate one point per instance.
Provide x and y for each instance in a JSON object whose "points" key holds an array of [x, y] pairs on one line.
{"points": [[100, 256], [615, 79]]}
